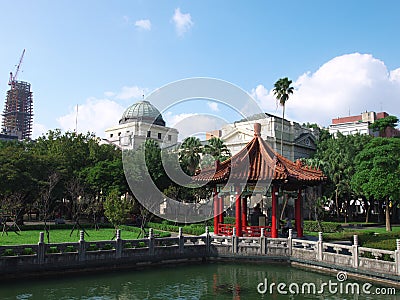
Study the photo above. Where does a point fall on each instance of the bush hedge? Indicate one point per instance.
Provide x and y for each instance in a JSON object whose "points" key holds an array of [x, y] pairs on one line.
{"points": [[193, 229], [326, 227]]}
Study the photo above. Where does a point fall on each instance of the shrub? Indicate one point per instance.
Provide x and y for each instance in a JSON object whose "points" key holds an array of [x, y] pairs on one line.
{"points": [[8, 252], [52, 250], [326, 227], [27, 251], [92, 247], [229, 220], [128, 245], [141, 245], [69, 249], [107, 247]]}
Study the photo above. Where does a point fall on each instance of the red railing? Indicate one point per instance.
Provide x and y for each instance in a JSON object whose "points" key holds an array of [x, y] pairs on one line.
{"points": [[250, 231]]}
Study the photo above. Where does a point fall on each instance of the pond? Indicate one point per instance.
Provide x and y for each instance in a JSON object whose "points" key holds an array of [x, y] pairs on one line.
{"points": [[198, 281]]}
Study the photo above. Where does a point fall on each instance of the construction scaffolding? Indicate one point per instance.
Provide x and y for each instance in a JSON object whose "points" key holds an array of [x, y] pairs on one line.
{"points": [[18, 111]]}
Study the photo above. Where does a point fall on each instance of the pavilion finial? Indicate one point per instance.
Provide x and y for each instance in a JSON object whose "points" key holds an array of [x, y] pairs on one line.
{"points": [[257, 129]]}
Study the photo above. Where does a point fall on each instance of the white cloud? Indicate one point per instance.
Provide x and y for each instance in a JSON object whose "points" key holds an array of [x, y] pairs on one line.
{"points": [[130, 92], [38, 130], [193, 124], [109, 94], [143, 24], [183, 22], [95, 115], [352, 82], [265, 97], [213, 106]]}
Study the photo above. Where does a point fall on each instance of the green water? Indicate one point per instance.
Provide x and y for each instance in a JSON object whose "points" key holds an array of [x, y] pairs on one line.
{"points": [[203, 281]]}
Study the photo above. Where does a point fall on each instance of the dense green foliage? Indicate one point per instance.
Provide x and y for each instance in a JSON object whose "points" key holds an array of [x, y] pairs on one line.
{"points": [[327, 227], [377, 173], [382, 124]]}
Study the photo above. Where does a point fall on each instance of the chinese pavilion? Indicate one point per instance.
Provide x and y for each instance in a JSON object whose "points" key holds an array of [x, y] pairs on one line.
{"points": [[253, 170]]}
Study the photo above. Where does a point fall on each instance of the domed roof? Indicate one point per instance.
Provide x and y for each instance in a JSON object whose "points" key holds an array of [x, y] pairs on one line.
{"points": [[142, 111]]}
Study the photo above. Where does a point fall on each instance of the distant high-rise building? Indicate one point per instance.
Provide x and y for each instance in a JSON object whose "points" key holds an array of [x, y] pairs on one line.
{"points": [[18, 111]]}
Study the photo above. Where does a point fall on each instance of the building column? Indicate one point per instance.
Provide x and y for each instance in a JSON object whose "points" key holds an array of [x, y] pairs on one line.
{"points": [[216, 209], [221, 210], [298, 215], [244, 212], [274, 229], [238, 215]]}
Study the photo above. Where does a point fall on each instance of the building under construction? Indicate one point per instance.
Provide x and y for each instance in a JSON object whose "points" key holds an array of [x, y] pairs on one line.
{"points": [[18, 109]]}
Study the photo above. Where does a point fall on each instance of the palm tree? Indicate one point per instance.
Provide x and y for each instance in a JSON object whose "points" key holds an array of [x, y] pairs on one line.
{"points": [[189, 154], [282, 90], [217, 149]]}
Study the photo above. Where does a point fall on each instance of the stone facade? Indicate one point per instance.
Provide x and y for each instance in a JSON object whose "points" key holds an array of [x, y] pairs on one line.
{"points": [[139, 122], [298, 141], [132, 135]]}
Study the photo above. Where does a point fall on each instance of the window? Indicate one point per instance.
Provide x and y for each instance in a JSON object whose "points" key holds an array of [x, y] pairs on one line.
{"points": [[169, 137], [119, 133], [159, 136], [111, 135], [149, 133]]}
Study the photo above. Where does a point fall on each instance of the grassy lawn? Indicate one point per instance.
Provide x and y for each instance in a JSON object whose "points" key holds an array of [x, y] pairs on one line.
{"points": [[368, 237], [62, 235]]}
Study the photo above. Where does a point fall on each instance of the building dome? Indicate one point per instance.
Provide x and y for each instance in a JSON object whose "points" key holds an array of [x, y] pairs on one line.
{"points": [[142, 111]]}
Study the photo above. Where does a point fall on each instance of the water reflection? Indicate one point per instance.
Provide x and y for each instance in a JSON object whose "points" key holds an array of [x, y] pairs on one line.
{"points": [[205, 281]]}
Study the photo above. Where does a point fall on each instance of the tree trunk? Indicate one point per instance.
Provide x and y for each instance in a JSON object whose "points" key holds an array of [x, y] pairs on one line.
{"points": [[337, 204], [387, 214], [283, 117]]}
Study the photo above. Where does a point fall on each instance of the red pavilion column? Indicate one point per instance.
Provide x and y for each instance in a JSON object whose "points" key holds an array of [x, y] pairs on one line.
{"points": [[274, 229], [238, 215], [244, 212], [221, 210], [216, 209], [298, 215]]}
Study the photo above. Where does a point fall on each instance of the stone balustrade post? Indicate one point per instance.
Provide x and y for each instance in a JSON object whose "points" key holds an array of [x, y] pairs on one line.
{"points": [[397, 256], [41, 249], [118, 245], [289, 241], [151, 242], [262, 242], [320, 247], [355, 251], [181, 240], [82, 246], [234, 241]]}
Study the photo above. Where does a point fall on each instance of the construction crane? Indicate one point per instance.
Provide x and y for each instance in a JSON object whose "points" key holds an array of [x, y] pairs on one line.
{"points": [[13, 79]]}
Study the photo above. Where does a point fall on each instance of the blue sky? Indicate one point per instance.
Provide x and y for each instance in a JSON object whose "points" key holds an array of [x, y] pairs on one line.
{"points": [[343, 56]]}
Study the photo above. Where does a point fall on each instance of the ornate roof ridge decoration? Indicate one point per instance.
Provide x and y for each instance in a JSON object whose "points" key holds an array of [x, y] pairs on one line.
{"points": [[255, 162]]}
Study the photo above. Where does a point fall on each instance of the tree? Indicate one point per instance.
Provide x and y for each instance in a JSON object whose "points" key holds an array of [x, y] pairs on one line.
{"points": [[44, 202], [336, 159], [217, 149], [378, 172], [282, 90], [189, 154], [382, 124], [117, 208]]}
